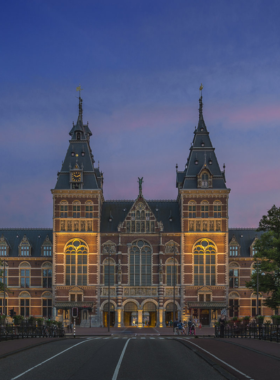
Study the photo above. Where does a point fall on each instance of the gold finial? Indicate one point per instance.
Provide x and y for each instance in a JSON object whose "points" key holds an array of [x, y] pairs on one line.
{"points": [[79, 89], [201, 87]]}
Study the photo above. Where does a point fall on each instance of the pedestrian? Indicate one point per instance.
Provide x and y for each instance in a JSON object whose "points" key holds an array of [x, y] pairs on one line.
{"points": [[189, 326], [68, 327], [222, 323], [180, 328], [175, 324], [71, 327]]}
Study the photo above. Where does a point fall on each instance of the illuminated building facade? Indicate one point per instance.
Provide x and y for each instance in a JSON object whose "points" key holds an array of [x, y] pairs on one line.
{"points": [[149, 253]]}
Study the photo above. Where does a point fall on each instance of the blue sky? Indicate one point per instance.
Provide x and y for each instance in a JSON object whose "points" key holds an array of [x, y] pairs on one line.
{"points": [[140, 64]]}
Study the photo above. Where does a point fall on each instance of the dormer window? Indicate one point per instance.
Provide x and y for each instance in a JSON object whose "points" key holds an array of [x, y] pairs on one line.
{"points": [[24, 247], [204, 180], [4, 248], [196, 162], [202, 143], [233, 250], [210, 162], [46, 249], [78, 136]]}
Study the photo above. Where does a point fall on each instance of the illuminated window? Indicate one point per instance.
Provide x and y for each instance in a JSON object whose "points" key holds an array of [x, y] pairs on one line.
{"points": [[89, 209], [63, 209], [140, 263], [76, 209], [76, 262], [217, 210], [192, 210], [204, 209], [204, 262]]}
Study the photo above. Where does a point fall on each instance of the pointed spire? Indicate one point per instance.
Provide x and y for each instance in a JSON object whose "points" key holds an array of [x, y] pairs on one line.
{"points": [[200, 108]]}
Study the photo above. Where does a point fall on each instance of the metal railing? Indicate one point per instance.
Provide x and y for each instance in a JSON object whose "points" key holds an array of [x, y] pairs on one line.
{"points": [[27, 330], [250, 331]]}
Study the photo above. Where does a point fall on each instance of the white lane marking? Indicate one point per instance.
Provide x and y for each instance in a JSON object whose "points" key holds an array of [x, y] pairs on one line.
{"points": [[142, 338], [116, 338], [125, 337], [107, 338], [235, 369], [161, 338], [152, 338], [45, 361], [120, 362]]}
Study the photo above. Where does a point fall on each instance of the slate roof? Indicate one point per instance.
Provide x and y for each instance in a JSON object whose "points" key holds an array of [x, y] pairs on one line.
{"points": [[245, 238], [82, 155], [199, 157], [35, 236], [118, 210]]}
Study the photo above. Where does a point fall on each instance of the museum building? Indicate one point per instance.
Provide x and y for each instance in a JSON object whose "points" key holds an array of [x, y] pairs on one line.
{"points": [[141, 260]]}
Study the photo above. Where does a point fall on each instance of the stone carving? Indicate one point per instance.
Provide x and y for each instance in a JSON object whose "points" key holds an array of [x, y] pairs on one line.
{"points": [[198, 226], [109, 248], [204, 225], [83, 226], [160, 271], [191, 226], [218, 225], [89, 225], [132, 291], [212, 225], [62, 225], [76, 226], [69, 226], [105, 292], [169, 291], [170, 247]]}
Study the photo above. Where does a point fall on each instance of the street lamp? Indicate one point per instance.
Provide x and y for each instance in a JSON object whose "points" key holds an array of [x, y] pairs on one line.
{"points": [[110, 251], [174, 284]]}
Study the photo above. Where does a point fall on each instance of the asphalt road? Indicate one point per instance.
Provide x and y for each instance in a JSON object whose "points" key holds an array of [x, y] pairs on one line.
{"points": [[99, 358], [135, 358]]}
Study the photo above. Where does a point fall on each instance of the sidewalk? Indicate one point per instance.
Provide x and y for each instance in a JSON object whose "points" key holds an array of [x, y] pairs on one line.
{"points": [[164, 331], [270, 348], [10, 347]]}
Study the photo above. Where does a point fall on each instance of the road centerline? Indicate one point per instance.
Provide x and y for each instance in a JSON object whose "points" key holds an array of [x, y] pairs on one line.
{"points": [[115, 375], [45, 361]]}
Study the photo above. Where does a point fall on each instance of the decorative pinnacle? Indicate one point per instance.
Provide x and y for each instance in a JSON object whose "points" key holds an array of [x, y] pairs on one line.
{"points": [[140, 181], [200, 108]]}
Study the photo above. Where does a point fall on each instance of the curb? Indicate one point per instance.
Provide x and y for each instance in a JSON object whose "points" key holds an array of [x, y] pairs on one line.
{"points": [[217, 367], [28, 348]]}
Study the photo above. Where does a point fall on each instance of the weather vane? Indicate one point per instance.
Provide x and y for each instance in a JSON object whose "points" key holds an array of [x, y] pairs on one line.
{"points": [[79, 89], [201, 88]]}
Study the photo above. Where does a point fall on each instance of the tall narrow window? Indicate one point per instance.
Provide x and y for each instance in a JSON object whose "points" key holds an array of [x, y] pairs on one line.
{"points": [[4, 248], [47, 277], [233, 307], [25, 307], [233, 250], [192, 210], [47, 308], [24, 275], [89, 209], [204, 180], [171, 272], [2, 306], [217, 209], [76, 262], [76, 210], [140, 264], [233, 277], [107, 270], [204, 209], [63, 209], [204, 262], [4, 275]]}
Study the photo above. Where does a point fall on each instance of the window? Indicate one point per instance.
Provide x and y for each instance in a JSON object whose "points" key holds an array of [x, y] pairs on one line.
{"points": [[234, 278], [47, 250], [76, 210], [24, 307], [217, 210], [201, 297], [256, 312], [254, 251], [2, 311], [47, 308], [204, 180], [3, 250], [140, 221], [171, 270], [233, 308], [204, 262], [192, 210], [204, 209], [63, 209], [208, 297], [107, 271], [76, 262], [24, 250], [140, 263], [89, 209], [47, 278], [4, 275], [233, 250], [24, 278]]}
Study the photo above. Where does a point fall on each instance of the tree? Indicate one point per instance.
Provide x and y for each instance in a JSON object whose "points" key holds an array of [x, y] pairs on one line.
{"points": [[267, 258]]}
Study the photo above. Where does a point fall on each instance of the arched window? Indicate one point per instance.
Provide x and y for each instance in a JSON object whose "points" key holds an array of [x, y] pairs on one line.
{"points": [[106, 271], [204, 180], [217, 209], [89, 209], [76, 209], [233, 275], [233, 304], [204, 209], [3, 310], [47, 275], [76, 262], [24, 247], [63, 209], [192, 209], [171, 269], [204, 251], [4, 276], [47, 305], [24, 302], [140, 263], [24, 270], [4, 248]]}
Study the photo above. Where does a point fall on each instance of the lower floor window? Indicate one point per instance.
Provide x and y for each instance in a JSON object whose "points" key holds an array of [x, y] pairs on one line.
{"points": [[256, 312], [2, 306], [47, 308], [24, 307], [233, 308]]}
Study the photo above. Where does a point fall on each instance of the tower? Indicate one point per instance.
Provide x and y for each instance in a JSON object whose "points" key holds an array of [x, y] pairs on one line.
{"points": [[77, 200], [203, 197]]}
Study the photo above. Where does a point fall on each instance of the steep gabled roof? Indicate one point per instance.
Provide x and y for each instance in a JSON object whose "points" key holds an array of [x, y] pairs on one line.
{"points": [[244, 237], [201, 153]]}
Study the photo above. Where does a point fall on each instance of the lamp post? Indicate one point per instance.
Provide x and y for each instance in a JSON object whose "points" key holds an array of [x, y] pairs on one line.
{"points": [[257, 265], [4, 281], [109, 287]]}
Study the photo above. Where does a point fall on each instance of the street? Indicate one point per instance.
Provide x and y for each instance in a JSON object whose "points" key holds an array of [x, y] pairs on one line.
{"points": [[125, 358]]}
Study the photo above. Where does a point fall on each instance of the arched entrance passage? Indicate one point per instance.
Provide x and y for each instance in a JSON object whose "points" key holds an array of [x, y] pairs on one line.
{"points": [[149, 314], [130, 314], [169, 313], [106, 316]]}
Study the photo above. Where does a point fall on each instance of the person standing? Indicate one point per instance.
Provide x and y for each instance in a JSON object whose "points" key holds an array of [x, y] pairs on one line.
{"points": [[222, 323]]}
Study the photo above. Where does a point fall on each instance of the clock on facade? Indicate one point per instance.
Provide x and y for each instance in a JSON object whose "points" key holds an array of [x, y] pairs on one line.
{"points": [[76, 176]]}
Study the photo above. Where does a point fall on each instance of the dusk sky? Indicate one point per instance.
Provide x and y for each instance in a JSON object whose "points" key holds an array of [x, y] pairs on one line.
{"points": [[140, 64]]}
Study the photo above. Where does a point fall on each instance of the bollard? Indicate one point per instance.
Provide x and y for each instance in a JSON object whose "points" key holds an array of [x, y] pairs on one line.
{"points": [[74, 327]]}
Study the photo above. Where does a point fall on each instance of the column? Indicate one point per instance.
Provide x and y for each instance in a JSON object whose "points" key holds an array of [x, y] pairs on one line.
{"points": [[161, 318], [119, 317], [140, 318]]}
